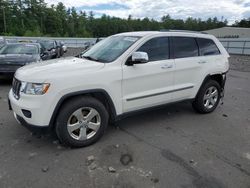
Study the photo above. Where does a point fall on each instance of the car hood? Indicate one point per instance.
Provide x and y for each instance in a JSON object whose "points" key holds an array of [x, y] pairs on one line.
{"points": [[56, 68], [21, 59]]}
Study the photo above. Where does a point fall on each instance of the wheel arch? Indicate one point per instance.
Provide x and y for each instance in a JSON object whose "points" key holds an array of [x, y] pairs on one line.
{"points": [[218, 77], [99, 94]]}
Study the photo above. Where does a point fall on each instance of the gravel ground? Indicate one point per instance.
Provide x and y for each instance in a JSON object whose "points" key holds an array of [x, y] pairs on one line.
{"points": [[241, 63], [169, 147]]}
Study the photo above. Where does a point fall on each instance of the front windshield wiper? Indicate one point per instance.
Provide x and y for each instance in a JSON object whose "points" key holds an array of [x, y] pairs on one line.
{"points": [[91, 58]]}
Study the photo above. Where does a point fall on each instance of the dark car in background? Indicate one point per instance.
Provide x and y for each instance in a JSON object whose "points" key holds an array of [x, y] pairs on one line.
{"points": [[51, 48], [63, 48], [16, 55], [87, 45]]}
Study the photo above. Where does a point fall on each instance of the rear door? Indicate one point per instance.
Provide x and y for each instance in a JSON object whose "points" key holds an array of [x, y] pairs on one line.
{"points": [[195, 58], [188, 66], [149, 84], [210, 55]]}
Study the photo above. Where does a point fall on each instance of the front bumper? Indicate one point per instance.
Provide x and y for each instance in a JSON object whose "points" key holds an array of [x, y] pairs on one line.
{"points": [[40, 112], [32, 128]]}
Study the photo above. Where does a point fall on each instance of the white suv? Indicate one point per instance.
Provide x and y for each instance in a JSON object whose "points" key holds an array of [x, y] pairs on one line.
{"points": [[124, 73]]}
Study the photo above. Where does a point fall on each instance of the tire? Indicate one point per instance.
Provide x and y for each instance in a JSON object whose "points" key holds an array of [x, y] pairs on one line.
{"points": [[76, 125], [61, 52], [208, 97], [58, 54]]}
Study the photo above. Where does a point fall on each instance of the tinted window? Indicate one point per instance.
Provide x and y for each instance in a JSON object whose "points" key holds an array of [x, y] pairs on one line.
{"points": [[28, 49], [157, 48], [207, 47], [47, 44], [185, 47]]}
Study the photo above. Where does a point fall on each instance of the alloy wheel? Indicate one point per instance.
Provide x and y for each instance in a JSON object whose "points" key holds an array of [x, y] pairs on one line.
{"points": [[211, 97], [84, 123]]}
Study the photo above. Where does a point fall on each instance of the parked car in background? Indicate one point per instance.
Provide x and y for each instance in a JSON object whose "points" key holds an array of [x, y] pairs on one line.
{"points": [[98, 40], [64, 47], [51, 48], [25, 41], [16, 55], [87, 45], [2, 41]]}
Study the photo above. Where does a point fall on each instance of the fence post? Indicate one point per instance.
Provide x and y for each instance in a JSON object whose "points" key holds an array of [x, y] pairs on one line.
{"points": [[243, 49]]}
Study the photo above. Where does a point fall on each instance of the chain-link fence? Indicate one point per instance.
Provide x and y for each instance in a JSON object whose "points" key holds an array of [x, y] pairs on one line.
{"points": [[233, 46], [69, 42], [237, 46]]}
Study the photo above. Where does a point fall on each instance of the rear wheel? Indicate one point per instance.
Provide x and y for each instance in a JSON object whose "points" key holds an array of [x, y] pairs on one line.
{"points": [[208, 97], [81, 122]]}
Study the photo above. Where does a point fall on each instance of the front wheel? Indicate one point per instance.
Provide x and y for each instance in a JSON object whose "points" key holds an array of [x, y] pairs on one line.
{"points": [[81, 122], [208, 97]]}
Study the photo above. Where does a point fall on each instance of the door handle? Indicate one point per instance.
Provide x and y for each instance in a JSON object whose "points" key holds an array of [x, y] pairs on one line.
{"points": [[202, 62], [167, 66]]}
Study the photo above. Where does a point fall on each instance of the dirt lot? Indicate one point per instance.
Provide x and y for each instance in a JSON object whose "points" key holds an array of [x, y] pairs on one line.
{"points": [[171, 147]]}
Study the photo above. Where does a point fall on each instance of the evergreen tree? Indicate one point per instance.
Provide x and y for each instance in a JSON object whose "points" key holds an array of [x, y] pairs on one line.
{"points": [[35, 18]]}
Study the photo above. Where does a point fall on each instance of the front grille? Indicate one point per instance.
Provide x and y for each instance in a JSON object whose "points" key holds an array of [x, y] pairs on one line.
{"points": [[16, 85]]}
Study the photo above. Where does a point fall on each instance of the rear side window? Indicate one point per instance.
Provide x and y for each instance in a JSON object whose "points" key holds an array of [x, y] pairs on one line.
{"points": [[185, 47], [157, 48], [207, 47]]}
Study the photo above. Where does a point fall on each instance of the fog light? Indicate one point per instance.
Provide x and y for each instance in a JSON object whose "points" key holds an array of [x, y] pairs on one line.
{"points": [[26, 113]]}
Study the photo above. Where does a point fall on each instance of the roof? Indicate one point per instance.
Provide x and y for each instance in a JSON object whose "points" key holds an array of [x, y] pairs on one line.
{"points": [[146, 33], [24, 43], [139, 33]]}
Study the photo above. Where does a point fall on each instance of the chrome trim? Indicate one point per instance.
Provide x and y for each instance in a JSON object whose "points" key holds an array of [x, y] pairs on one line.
{"points": [[16, 85], [161, 93]]}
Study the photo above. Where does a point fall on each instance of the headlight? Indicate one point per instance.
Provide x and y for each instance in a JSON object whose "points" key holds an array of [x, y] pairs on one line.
{"points": [[34, 88]]}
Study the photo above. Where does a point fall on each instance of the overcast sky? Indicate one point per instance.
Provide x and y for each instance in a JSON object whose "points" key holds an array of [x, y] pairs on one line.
{"points": [[230, 9]]}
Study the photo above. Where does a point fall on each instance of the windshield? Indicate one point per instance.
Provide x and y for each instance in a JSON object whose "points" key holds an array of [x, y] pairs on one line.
{"points": [[47, 44], [110, 48], [19, 49]]}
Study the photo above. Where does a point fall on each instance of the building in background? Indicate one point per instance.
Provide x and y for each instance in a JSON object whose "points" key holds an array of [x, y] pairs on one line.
{"points": [[236, 40], [230, 32]]}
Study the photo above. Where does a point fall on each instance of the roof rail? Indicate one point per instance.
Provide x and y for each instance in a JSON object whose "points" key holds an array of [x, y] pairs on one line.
{"points": [[187, 31]]}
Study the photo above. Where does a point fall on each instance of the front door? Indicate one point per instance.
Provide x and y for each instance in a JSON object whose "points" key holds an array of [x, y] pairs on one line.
{"points": [[149, 84]]}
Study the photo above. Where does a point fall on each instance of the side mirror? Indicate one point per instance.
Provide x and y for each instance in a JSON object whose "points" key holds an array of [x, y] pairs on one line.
{"points": [[137, 58]]}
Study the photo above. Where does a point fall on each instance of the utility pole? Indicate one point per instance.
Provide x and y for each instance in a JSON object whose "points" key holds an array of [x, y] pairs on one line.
{"points": [[4, 21]]}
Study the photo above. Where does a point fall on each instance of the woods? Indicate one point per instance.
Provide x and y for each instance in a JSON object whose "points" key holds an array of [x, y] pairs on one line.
{"points": [[36, 18]]}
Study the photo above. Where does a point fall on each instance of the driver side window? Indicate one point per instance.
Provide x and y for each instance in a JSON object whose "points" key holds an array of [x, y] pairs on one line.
{"points": [[157, 48]]}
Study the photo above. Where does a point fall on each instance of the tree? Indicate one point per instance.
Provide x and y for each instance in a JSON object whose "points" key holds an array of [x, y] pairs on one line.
{"points": [[52, 24], [35, 18]]}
